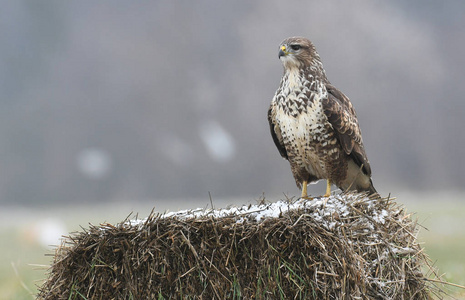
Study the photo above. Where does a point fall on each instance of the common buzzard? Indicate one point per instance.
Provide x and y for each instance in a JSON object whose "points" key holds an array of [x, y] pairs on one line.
{"points": [[314, 125]]}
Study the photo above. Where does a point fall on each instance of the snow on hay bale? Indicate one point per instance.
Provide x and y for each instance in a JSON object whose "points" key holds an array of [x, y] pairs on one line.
{"points": [[351, 248]]}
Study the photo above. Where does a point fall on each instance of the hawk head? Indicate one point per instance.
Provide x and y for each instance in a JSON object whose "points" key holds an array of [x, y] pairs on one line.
{"points": [[298, 52]]}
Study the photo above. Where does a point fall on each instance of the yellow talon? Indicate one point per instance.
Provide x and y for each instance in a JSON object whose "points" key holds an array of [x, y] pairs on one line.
{"points": [[304, 190], [328, 188]]}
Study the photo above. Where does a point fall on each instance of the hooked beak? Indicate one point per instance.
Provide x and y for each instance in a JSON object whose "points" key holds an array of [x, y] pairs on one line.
{"points": [[282, 51]]}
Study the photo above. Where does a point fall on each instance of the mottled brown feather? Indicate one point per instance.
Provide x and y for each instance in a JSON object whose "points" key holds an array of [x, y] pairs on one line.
{"points": [[341, 114], [277, 141]]}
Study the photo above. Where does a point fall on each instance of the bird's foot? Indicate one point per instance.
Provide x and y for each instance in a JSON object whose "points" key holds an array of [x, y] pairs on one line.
{"points": [[304, 191], [328, 192], [328, 189]]}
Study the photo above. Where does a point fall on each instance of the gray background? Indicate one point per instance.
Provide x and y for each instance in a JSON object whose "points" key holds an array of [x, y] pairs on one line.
{"points": [[145, 100]]}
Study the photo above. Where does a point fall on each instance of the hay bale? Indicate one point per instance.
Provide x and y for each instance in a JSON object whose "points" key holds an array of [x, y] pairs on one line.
{"points": [[351, 248]]}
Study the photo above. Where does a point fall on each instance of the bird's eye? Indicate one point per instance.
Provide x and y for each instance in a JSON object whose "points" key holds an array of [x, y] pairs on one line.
{"points": [[295, 47]]}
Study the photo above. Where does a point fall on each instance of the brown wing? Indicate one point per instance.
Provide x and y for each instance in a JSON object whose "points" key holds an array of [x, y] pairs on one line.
{"points": [[275, 132], [343, 118]]}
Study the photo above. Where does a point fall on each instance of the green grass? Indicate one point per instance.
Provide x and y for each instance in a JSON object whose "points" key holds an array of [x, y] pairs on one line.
{"points": [[443, 237], [18, 273], [444, 241]]}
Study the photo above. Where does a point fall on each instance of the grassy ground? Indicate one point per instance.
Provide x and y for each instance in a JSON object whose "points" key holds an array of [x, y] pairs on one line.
{"points": [[443, 217], [21, 252]]}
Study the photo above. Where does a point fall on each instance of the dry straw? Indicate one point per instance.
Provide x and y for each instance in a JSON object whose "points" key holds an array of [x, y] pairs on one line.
{"points": [[352, 247]]}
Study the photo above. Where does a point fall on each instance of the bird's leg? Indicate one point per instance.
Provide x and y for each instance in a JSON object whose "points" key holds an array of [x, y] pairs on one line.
{"points": [[328, 188], [328, 192], [304, 189]]}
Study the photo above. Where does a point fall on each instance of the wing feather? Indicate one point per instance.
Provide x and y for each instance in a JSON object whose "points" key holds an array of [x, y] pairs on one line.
{"points": [[275, 132], [341, 114]]}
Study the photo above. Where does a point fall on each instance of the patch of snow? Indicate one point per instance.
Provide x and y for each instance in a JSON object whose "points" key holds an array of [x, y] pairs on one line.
{"points": [[379, 218], [324, 210], [332, 212], [403, 250]]}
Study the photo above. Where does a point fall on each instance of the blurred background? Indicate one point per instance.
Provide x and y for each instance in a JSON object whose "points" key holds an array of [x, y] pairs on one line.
{"points": [[110, 107]]}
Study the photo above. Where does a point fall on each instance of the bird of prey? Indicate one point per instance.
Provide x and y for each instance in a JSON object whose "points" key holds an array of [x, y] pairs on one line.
{"points": [[314, 125]]}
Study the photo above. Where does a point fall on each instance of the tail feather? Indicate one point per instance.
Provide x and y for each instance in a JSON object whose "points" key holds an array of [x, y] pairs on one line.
{"points": [[371, 189]]}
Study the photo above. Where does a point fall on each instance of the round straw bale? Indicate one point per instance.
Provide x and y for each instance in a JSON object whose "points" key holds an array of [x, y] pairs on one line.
{"points": [[343, 247]]}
